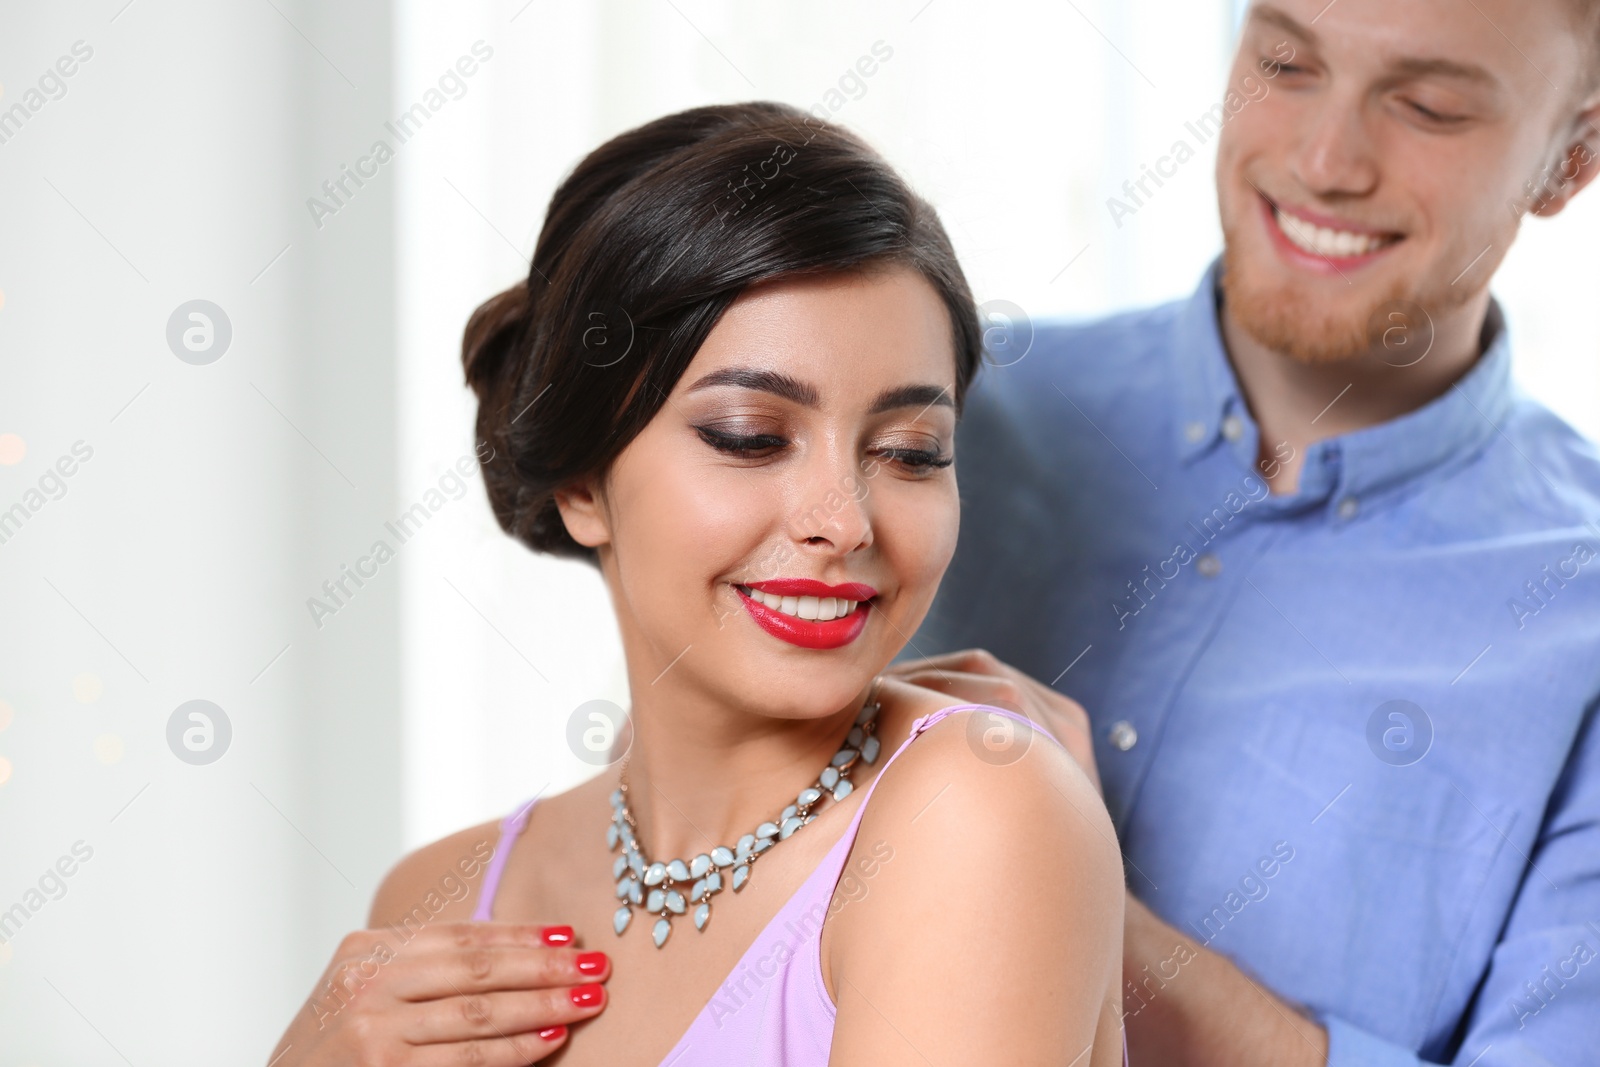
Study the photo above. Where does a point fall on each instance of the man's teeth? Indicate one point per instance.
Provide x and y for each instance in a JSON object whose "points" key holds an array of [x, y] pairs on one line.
{"points": [[817, 609], [1321, 241]]}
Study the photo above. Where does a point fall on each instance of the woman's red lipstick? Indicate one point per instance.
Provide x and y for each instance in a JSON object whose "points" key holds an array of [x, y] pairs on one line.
{"points": [[809, 633]]}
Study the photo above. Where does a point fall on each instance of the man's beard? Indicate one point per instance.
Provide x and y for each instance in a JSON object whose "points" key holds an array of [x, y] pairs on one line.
{"points": [[1308, 331]]}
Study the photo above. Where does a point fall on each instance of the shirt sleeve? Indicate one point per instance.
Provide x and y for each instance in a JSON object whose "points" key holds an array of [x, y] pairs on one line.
{"points": [[1539, 1005], [1350, 1046]]}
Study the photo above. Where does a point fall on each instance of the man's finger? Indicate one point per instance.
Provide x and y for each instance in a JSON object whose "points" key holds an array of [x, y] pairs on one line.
{"points": [[975, 688], [967, 660]]}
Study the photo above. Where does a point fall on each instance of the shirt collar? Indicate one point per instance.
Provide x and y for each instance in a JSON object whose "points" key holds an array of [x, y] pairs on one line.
{"points": [[1348, 470]]}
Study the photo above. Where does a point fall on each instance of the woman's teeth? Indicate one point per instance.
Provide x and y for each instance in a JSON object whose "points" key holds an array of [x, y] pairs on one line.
{"points": [[816, 609], [1321, 241]]}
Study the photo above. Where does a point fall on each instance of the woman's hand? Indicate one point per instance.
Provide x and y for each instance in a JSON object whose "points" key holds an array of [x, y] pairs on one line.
{"points": [[977, 677], [485, 993]]}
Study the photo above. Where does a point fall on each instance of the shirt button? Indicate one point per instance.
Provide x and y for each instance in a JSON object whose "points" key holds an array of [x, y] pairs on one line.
{"points": [[1194, 431], [1348, 508], [1122, 735], [1233, 427], [1208, 565]]}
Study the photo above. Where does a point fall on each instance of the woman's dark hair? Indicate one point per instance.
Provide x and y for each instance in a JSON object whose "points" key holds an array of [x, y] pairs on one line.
{"points": [[644, 246]]}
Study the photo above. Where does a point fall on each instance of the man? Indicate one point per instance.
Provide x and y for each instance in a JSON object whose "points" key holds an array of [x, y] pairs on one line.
{"points": [[1326, 583]]}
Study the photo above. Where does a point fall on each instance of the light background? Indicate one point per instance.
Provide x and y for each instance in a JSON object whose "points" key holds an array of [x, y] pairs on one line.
{"points": [[179, 561]]}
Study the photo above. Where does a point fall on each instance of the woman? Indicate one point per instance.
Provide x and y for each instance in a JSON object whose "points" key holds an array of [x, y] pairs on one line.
{"points": [[732, 382]]}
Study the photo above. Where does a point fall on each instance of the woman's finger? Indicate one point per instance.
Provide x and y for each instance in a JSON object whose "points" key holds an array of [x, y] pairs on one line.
{"points": [[513, 1050], [429, 975], [486, 1015]]}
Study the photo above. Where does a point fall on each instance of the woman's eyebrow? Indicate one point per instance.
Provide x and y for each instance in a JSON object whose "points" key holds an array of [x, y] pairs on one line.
{"points": [[791, 388]]}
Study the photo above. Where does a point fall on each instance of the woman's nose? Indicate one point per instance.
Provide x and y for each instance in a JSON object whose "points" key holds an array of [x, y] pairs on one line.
{"points": [[832, 507]]}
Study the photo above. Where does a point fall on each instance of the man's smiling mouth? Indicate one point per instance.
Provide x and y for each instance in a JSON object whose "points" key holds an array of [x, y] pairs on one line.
{"points": [[1324, 237]]}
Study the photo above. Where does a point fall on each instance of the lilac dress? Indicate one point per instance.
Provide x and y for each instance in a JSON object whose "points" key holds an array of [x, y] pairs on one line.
{"points": [[773, 1009]]}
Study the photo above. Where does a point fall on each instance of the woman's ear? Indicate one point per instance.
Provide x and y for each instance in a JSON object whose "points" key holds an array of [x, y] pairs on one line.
{"points": [[583, 512]]}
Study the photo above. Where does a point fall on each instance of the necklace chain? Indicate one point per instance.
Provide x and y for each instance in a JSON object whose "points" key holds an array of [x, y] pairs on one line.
{"points": [[657, 887]]}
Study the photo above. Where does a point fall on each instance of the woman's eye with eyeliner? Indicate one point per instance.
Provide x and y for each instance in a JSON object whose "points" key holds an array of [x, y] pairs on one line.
{"points": [[763, 445], [918, 459], [744, 445]]}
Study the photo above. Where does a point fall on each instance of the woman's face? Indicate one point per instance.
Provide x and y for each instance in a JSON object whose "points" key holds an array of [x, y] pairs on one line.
{"points": [[809, 441]]}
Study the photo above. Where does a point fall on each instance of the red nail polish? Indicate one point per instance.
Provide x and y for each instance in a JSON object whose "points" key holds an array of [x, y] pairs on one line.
{"points": [[553, 1033], [587, 996], [556, 936], [591, 962]]}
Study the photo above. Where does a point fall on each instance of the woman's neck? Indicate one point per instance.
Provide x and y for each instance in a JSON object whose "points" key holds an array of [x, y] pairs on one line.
{"points": [[700, 775]]}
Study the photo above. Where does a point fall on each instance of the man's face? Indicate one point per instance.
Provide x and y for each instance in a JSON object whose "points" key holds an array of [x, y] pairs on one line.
{"points": [[1391, 160]]}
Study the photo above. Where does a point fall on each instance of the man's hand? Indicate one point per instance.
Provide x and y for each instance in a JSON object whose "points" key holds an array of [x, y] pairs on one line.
{"points": [[977, 677]]}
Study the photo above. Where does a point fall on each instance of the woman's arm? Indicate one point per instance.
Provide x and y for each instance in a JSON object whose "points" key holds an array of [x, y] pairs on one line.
{"points": [[995, 933]]}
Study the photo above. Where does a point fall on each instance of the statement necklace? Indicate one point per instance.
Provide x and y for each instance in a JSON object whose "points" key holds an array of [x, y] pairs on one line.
{"points": [[658, 887]]}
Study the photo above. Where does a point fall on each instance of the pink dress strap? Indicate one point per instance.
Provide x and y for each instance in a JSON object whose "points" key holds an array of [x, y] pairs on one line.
{"points": [[510, 827], [918, 727]]}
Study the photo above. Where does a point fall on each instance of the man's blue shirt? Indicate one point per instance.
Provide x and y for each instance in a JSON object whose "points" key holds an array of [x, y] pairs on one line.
{"points": [[1346, 734]]}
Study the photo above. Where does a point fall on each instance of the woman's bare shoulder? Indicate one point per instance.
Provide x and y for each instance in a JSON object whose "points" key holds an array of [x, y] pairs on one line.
{"points": [[1005, 767], [442, 879], [997, 873], [438, 880], [996, 782]]}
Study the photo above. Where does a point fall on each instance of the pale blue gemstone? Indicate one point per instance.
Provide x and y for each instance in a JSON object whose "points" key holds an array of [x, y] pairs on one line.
{"points": [[702, 915], [843, 756], [660, 932], [698, 891], [790, 825], [722, 856], [855, 737], [679, 871], [746, 843], [616, 798], [619, 920], [767, 829], [869, 751], [655, 900], [635, 893], [829, 777], [626, 833], [636, 863], [741, 874], [867, 713], [788, 813], [809, 796], [675, 901], [622, 887], [714, 881], [764, 844], [699, 865], [611, 836], [843, 789], [656, 873], [619, 865]]}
